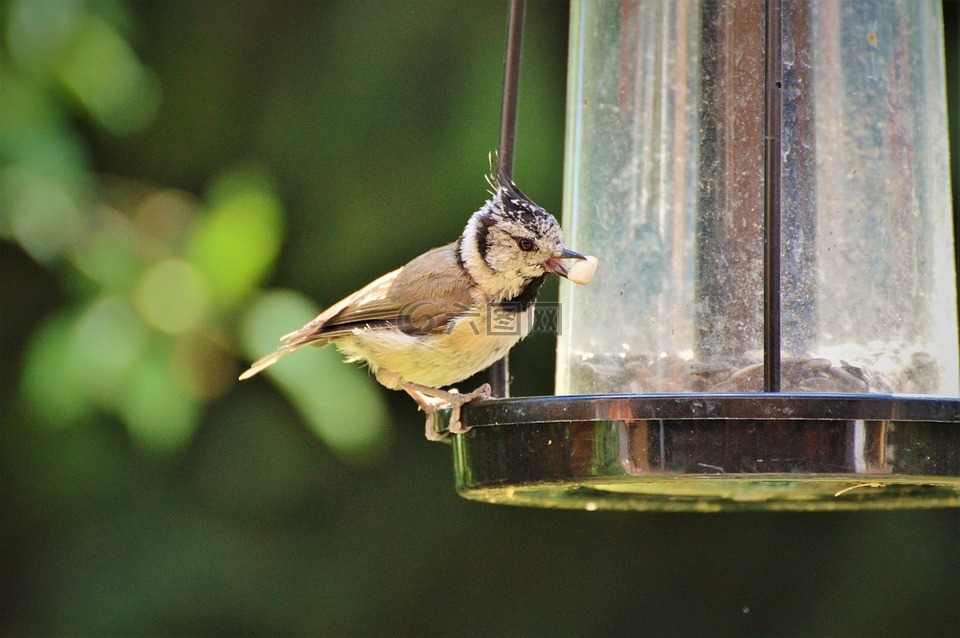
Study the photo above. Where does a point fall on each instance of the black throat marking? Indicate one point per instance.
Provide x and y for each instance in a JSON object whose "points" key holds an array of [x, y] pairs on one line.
{"points": [[485, 221], [458, 252], [526, 296]]}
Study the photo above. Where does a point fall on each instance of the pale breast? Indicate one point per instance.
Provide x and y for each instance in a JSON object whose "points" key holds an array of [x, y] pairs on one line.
{"points": [[474, 342]]}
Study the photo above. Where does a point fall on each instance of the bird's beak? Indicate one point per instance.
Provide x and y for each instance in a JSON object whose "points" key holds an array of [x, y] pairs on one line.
{"points": [[555, 265]]}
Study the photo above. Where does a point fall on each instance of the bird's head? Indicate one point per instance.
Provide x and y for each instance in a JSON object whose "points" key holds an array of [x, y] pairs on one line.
{"points": [[511, 241]]}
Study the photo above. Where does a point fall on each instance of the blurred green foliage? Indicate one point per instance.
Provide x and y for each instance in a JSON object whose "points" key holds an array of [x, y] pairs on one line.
{"points": [[159, 276], [171, 171]]}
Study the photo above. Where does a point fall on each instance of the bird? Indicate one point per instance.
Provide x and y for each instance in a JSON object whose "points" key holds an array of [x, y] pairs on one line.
{"points": [[451, 312]]}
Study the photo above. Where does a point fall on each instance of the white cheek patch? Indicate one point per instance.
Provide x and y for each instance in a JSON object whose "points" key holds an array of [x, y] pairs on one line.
{"points": [[582, 270]]}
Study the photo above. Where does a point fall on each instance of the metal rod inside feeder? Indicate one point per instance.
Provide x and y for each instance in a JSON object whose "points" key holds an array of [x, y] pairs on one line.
{"points": [[772, 171]]}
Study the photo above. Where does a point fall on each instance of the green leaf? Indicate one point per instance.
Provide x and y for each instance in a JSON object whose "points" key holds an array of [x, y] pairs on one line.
{"points": [[341, 403], [50, 382], [107, 78], [105, 346], [157, 410], [236, 244]]}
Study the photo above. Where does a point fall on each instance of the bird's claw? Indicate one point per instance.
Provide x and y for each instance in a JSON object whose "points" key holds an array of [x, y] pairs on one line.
{"points": [[481, 393], [431, 432], [430, 407], [431, 400]]}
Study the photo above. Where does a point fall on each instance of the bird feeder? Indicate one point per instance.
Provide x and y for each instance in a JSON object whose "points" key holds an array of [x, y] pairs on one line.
{"points": [[774, 321]]}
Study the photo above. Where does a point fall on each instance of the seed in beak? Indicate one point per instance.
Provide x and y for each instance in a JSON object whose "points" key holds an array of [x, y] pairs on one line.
{"points": [[581, 272], [555, 265]]}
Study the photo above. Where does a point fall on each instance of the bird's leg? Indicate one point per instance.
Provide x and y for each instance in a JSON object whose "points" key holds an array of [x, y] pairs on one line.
{"points": [[429, 405], [423, 395]]}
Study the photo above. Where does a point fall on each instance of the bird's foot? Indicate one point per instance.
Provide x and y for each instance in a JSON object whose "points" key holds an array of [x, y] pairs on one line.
{"points": [[458, 400], [431, 400], [430, 405]]}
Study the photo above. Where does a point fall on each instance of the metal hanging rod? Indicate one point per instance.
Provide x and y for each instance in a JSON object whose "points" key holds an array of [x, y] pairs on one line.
{"points": [[500, 371]]}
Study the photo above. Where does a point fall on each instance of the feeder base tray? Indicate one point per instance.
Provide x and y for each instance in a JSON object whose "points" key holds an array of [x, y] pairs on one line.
{"points": [[728, 493], [699, 453]]}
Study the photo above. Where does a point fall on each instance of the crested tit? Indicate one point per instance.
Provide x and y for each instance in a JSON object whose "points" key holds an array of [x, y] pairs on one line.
{"points": [[427, 324]]}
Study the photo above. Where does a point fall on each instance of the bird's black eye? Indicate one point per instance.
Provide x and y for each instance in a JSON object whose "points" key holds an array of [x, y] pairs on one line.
{"points": [[526, 245]]}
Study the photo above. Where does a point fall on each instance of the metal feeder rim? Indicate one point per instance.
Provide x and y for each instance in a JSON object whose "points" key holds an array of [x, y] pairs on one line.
{"points": [[776, 406]]}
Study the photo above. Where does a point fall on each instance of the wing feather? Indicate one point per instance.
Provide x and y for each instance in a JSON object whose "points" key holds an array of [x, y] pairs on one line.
{"points": [[420, 298]]}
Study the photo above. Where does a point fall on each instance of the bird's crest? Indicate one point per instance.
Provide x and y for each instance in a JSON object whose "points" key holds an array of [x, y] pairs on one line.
{"points": [[513, 202]]}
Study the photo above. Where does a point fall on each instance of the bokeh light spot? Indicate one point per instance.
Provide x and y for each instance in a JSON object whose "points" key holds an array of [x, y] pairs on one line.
{"points": [[36, 140], [172, 296], [105, 75], [50, 383], [108, 340], [42, 216], [159, 414], [166, 216], [237, 243], [110, 251], [38, 31]]}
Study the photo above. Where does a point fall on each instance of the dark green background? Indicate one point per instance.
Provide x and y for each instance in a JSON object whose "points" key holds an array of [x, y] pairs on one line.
{"points": [[374, 120]]}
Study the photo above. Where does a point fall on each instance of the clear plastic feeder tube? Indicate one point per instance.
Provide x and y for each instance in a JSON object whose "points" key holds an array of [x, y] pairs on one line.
{"points": [[664, 183]]}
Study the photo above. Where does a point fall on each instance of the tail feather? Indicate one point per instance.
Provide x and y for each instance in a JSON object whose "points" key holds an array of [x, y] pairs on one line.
{"points": [[292, 342], [312, 334], [265, 362]]}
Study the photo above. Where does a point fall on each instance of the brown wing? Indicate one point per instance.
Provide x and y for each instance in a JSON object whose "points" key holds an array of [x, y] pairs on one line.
{"points": [[369, 304], [419, 298]]}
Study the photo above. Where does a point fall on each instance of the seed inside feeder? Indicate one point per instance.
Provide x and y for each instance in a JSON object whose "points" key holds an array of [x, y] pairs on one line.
{"points": [[895, 369]]}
